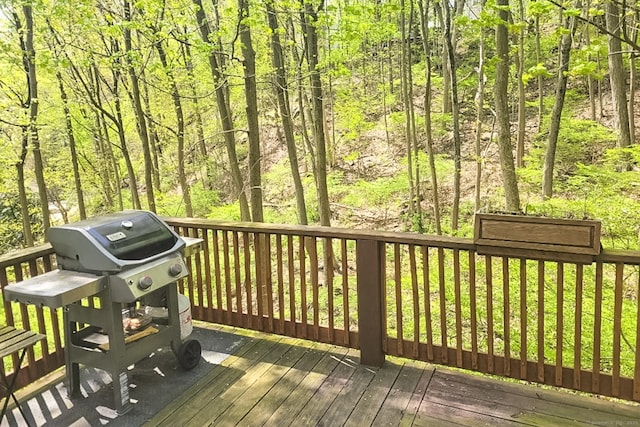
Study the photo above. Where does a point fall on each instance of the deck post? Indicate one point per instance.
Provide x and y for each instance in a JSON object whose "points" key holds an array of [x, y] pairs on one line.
{"points": [[369, 259]]}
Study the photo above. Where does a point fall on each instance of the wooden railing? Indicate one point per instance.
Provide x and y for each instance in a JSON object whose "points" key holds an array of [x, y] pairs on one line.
{"points": [[47, 355], [555, 322]]}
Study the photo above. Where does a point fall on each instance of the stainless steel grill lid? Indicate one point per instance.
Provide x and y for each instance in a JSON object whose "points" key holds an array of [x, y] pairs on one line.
{"points": [[113, 242]]}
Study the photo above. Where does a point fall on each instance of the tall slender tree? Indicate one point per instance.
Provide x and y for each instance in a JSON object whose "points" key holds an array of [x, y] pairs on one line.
{"points": [[251, 98], [310, 22], [33, 102], [501, 95], [137, 103], [556, 115], [224, 109], [282, 95]]}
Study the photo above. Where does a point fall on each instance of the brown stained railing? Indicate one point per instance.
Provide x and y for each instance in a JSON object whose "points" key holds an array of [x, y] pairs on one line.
{"points": [[555, 322], [47, 355], [559, 322]]}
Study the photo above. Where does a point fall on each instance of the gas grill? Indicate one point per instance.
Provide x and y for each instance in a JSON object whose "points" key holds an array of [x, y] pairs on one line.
{"points": [[110, 269]]}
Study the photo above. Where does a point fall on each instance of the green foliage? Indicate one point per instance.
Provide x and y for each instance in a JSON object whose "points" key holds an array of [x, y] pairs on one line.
{"points": [[11, 232], [579, 142]]}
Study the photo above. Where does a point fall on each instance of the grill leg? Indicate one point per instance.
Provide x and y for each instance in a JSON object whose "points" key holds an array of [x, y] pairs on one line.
{"points": [[72, 369], [173, 315], [117, 350]]}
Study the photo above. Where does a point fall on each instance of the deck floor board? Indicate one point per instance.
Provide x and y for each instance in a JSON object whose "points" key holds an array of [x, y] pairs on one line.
{"points": [[278, 381]]}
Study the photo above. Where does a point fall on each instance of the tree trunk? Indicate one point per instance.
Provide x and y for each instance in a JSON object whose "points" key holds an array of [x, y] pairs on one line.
{"points": [[455, 109], [22, 189], [29, 57], [424, 27], [282, 96], [139, 111], [617, 74], [72, 147], [177, 108], [522, 119], [512, 197], [251, 97], [556, 114], [407, 101], [226, 121], [479, 117], [540, 78], [155, 148], [311, 36]]}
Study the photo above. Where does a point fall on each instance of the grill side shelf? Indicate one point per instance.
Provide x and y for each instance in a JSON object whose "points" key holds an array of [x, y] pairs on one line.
{"points": [[55, 289]]}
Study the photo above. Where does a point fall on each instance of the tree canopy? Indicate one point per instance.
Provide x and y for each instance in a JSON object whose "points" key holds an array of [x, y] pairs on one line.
{"points": [[316, 111]]}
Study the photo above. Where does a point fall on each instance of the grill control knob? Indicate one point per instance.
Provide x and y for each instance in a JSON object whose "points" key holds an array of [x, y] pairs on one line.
{"points": [[175, 269], [145, 283]]}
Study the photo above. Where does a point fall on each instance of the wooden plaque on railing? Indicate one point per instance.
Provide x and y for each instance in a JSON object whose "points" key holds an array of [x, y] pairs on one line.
{"points": [[507, 234]]}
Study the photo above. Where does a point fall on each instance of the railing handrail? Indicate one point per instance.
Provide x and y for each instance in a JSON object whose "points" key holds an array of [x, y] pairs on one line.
{"points": [[25, 255], [326, 232], [610, 256]]}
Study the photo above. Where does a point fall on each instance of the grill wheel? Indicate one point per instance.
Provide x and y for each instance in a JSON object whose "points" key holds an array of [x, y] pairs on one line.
{"points": [[189, 354]]}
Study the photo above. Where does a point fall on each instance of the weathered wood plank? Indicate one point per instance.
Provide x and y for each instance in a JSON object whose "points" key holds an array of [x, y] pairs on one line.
{"points": [[254, 385], [232, 392], [416, 398], [306, 388], [285, 386], [190, 404], [375, 396], [507, 400], [390, 403], [327, 392], [348, 397]]}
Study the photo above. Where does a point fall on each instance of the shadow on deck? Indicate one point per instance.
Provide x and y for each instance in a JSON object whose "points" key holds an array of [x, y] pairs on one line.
{"points": [[250, 379]]}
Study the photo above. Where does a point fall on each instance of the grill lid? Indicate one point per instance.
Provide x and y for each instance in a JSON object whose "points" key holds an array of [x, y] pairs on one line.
{"points": [[113, 242]]}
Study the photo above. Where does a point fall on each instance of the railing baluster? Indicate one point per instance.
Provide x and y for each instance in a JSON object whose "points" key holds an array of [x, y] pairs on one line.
{"points": [[489, 282], [280, 275], [292, 286], [398, 295], [258, 240], [636, 375], [216, 270], [617, 329], [506, 316], [315, 292], [207, 274], [472, 309], [328, 269], [541, 321], [303, 287], [577, 347], [427, 301], [199, 284], [345, 291], [597, 331], [246, 239], [237, 279], [227, 277], [443, 307], [268, 281], [458, 306], [559, 321], [416, 300], [524, 316]]}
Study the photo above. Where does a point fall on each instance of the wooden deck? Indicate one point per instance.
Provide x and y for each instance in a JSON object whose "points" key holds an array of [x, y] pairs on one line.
{"points": [[278, 381]]}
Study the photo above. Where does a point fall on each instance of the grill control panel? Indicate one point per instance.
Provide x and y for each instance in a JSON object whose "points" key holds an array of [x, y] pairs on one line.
{"points": [[132, 284]]}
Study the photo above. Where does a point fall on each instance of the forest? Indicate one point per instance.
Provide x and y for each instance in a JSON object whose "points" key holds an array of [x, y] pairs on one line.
{"points": [[392, 115]]}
